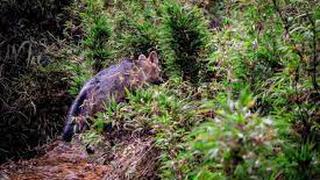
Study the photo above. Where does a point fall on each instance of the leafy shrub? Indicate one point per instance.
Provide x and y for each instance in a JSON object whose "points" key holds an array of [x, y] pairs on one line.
{"points": [[98, 33], [135, 28], [184, 40], [162, 111], [298, 161], [265, 54], [94, 53], [79, 73], [236, 143]]}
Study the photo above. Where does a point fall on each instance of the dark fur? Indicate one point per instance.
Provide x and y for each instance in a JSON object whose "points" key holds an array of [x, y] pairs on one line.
{"points": [[108, 84]]}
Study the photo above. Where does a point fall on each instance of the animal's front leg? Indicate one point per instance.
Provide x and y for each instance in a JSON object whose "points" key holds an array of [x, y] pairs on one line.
{"points": [[81, 124]]}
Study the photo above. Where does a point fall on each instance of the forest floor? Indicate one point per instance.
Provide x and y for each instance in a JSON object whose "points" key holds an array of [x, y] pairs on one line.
{"points": [[129, 158]]}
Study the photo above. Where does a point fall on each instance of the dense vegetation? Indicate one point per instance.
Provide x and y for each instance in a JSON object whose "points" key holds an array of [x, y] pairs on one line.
{"points": [[32, 85], [241, 98]]}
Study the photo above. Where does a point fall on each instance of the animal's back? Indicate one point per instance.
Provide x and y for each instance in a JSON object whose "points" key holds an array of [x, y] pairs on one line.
{"points": [[100, 89], [108, 84]]}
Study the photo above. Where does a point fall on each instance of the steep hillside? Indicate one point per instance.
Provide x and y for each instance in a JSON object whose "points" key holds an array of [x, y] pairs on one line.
{"points": [[241, 97]]}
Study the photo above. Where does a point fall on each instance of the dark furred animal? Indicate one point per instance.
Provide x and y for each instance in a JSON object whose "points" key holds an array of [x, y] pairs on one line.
{"points": [[109, 84]]}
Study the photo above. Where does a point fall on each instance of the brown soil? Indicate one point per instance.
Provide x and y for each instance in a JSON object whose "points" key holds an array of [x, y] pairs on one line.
{"points": [[130, 158]]}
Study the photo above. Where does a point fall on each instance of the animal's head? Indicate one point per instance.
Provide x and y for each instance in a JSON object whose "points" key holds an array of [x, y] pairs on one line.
{"points": [[150, 67]]}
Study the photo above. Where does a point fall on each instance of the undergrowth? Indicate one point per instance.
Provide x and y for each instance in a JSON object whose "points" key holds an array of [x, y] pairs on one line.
{"points": [[184, 41], [204, 120], [33, 90], [241, 100]]}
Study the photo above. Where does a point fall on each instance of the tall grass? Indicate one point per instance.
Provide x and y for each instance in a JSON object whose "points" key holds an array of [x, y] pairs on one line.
{"points": [[33, 92]]}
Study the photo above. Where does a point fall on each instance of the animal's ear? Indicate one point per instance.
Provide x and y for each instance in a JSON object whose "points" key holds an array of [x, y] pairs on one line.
{"points": [[153, 57], [142, 57]]}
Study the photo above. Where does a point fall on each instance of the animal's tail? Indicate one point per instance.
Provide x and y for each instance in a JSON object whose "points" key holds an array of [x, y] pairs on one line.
{"points": [[70, 126]]}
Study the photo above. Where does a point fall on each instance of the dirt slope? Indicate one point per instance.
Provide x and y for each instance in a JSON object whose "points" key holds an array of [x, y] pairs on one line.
{"points": [[130, 158]]}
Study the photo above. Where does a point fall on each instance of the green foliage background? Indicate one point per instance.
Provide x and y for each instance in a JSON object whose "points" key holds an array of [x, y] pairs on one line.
{"points": [[241, 97]]}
